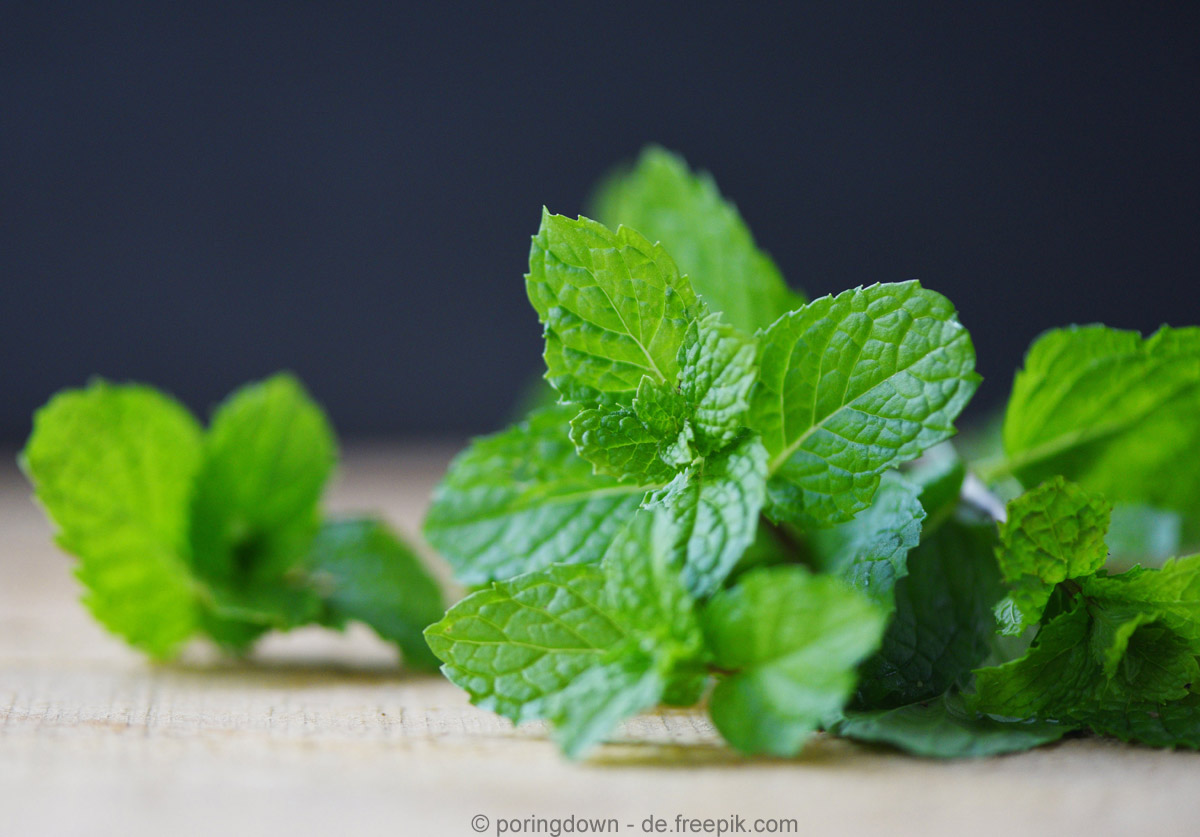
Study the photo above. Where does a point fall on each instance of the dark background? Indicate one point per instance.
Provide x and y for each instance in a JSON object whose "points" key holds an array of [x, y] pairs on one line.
{"points": [[196, 197]]}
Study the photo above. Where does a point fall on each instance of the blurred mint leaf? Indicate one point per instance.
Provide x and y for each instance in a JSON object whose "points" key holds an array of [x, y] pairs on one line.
{"points": [[113, 466], [1113, 412], [663, 200], [362, 571], [944, 727], [790, 642]]}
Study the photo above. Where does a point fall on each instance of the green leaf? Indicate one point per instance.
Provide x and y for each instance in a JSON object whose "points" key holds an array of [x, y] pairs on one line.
{"points": [[1057, 676], [716, 503], [717, 370], [1054, 533], [613, 305], [1112, 412], [645, 587], [852, 385], [1157, 725], [870, 552], [794, 640], [943, 625], [619, 444], [580, 645], [113, 467], [591, 707], [1089, 661], [945, 728], [517, 644], [364, 572], [666, 202], [1173, 593], [523, 499], [269, 453]]}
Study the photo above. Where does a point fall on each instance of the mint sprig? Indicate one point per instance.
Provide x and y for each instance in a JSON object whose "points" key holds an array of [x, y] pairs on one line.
{"points": [[748, 497], [182, 532]]}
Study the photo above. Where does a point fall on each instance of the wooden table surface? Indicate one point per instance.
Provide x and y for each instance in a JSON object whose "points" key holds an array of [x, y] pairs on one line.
{"points": [[323, 733]]}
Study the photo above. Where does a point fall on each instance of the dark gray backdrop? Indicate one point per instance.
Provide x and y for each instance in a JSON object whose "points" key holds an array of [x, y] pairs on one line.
{"points": [[195, 196]]}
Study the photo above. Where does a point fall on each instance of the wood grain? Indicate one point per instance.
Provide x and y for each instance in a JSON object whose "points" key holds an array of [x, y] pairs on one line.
{"points": [[323, 733]]}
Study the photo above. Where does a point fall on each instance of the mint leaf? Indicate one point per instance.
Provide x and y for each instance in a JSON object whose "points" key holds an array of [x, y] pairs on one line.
{"points": [[1054, 533], [523, 499], [852, 385], [364, 572], [1172, 593], [614, 308], [942, 626], [624, 684], [717, 369], [793, 640], [666, 202], [1174, 724], [254, 514], [515, 645], [620, 444], [943, 727], [1112, 412], [716, 503], [113, 467], [870, 552], [1055, 678], [580, 645]]}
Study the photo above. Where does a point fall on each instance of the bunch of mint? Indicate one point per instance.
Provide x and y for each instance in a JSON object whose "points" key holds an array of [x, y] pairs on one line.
{"points": [[748, 500], [181, 532]]}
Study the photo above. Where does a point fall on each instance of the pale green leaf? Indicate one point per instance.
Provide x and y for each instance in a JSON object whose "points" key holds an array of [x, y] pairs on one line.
{"points": [[269, 453], [717, 370], [113, 466]]}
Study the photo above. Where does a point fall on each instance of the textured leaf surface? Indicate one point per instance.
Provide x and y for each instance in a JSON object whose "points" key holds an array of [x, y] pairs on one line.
{"points": [[613, 306], [365, 572], [1112, 412], [717, 370], [705, 234], [113, 467], [268, 454], [943, 624], [716, 504], [794, 639], [517, 644], [852, 385], [620, 444], [1054, 532], [1172, 593], [944, 727], [523, 499], [870, 552]]}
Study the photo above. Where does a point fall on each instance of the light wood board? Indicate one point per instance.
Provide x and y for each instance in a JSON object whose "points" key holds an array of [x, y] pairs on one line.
{"points": [[324, 734]]}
